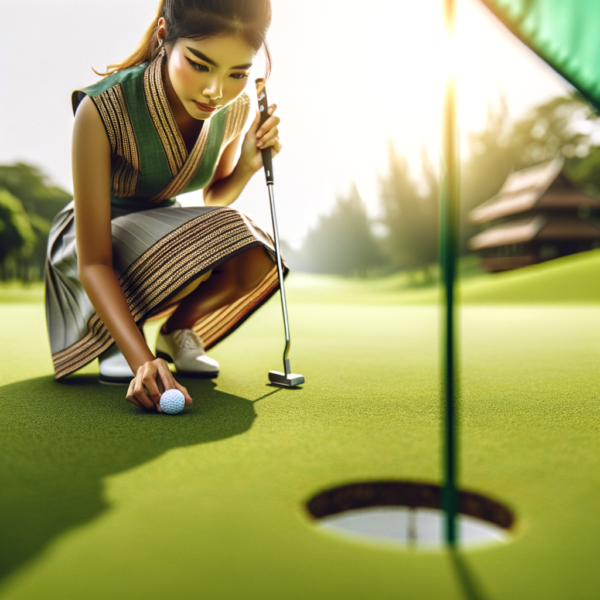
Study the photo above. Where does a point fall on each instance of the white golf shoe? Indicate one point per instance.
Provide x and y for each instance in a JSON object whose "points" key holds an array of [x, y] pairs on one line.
{"points": [[113, 367], [185, 350]]}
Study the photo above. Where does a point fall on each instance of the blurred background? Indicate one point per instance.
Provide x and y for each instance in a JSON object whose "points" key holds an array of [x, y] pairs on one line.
{"points": [[359, 94]]}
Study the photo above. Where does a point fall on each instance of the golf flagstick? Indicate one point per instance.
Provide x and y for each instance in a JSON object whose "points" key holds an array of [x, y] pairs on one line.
{"points": [[449, 211], [287, 378]]}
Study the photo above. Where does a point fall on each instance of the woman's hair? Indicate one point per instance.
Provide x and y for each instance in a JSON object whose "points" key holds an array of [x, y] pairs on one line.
{"points": [[199, 19]]}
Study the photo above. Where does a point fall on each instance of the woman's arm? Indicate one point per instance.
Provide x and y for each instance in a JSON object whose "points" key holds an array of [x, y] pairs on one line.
{"points": [[91, 185], [228, 182]]}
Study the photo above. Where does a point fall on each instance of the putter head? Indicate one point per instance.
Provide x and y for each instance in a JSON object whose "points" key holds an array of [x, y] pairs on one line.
{"points": [[290, 380]]}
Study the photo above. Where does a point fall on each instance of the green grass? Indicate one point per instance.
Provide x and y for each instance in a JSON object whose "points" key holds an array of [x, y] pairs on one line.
{"points": [[572, 280], [99, 499], [16, 292]]}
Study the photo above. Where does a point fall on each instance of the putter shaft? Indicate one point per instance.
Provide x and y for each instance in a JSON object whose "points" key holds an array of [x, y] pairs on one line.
{"points": [[286, 324], [287, 378]]}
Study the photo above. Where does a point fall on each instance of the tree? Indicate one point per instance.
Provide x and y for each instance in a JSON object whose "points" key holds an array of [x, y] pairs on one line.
{"points": [[17, 237], [586, 172], [32, 187], [552, 129], [342, 242], [31, 265], [492, 154], [41, 200], [410, 215]]}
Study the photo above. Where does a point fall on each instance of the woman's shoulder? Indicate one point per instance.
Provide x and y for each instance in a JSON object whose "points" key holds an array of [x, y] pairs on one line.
{"points": [[107, 83]]}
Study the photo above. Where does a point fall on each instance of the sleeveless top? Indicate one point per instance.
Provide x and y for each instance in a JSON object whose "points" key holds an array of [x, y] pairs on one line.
{"points": [[150, 163]]}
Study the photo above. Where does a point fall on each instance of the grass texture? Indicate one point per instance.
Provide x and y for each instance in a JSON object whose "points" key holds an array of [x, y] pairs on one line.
{"points": [[99, 499]]}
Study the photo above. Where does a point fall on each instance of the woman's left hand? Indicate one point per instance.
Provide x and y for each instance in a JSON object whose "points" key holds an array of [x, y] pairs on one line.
{"points": [[257, 138]]}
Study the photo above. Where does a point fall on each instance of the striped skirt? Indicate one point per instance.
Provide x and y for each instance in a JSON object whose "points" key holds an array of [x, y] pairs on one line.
{"points": [[156, 254]]}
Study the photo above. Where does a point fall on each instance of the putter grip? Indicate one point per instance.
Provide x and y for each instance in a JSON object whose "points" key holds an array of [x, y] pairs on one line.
{"points": [[266, 152]]}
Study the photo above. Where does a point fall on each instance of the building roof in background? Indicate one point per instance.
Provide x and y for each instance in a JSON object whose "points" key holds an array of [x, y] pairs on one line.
{"points": [[543, 187], [538, 228]]}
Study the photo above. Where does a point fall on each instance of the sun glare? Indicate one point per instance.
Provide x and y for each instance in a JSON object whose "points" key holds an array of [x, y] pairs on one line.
{"points": [[348, 76], [380, 74]]}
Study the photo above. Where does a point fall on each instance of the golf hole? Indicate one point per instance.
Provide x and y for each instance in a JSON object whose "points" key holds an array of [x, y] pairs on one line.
{"points": [[408, 514]]}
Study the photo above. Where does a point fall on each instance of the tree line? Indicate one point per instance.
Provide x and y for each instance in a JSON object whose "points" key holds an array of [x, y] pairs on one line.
{"points": [[347, 242], [28, 203]]}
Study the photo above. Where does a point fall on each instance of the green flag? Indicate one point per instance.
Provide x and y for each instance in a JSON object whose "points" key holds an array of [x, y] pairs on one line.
{"points": [[562, 32]]}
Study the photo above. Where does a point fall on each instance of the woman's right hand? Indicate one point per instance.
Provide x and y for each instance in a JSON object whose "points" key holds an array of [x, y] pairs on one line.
{"points": [[144, 388]]}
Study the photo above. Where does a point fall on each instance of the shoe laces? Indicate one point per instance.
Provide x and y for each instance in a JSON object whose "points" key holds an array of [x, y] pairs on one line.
{"points": [[188, 338]]}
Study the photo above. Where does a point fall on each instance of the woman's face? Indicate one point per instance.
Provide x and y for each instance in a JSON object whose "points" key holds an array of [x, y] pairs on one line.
{"points": [[209, 73]]}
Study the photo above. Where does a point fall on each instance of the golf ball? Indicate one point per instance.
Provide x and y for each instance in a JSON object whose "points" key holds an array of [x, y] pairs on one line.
{"points": [[172, 402]]}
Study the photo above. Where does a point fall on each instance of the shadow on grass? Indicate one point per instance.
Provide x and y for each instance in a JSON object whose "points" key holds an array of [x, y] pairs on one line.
{"points": [[469, 584], [59, 440]]}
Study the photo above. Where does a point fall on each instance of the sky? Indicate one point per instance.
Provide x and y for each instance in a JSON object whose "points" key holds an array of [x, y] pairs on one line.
{"points": [[348, 76]]}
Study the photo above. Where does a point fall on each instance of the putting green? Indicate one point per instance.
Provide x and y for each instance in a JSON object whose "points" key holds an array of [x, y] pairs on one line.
{"points": [[101, 500], [572, 280]]}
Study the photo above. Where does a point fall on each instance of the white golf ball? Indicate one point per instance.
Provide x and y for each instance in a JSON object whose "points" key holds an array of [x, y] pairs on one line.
{"points": [[172, 402]]}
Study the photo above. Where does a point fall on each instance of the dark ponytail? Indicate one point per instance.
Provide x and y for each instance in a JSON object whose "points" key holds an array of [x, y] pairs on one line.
{"points": [[199, 19]]}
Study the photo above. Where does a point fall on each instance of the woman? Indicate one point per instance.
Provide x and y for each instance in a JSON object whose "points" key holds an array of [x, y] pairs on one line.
{"points": [[165, 121]]}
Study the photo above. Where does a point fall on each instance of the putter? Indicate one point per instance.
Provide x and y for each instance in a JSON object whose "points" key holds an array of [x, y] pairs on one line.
{"points": [[287, 378]]}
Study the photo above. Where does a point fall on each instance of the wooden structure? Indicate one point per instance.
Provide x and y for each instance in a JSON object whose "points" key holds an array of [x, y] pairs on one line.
{"points": [[539, 214]]}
